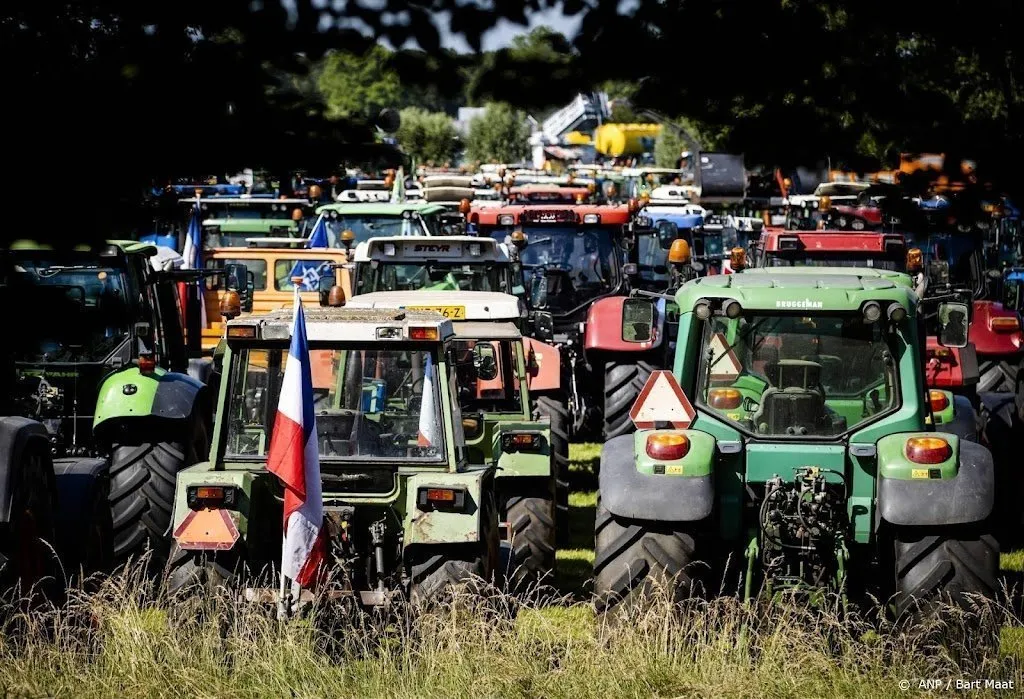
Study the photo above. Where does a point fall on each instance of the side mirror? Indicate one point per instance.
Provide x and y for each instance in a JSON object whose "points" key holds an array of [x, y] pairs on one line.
{"points": [[667, 233], [637, 320], [485, 361], [235, 276], [953, 322]]}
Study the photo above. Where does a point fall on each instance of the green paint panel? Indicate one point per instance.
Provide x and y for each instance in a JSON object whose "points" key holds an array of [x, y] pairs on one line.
{"points": [[522, 463], [437, 527], [765, 461], [893, 461], [382, 209], [729, 487], [128, 393], [251, 225], [200, 474], [699, 460]]}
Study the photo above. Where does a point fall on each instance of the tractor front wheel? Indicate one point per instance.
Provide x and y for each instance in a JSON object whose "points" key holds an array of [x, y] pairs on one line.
{"points": [[936, 565], [634, 559]]}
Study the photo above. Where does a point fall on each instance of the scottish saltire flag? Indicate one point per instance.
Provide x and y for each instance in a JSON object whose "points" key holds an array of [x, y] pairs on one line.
{"points": [[294, 458], [429, 424], [192, 254], [318, 238]]}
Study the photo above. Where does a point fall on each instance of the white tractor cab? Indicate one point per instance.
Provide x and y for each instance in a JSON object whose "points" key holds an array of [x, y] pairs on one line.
{"points": [[436, 263], [499, 394], [677, 196]]}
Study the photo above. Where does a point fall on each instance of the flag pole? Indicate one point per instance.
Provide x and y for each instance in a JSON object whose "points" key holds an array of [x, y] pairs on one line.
{"points": [[284, 598]]}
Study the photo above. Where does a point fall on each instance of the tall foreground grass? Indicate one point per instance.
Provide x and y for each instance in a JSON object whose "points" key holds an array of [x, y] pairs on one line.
{"points": [[126, 639]]}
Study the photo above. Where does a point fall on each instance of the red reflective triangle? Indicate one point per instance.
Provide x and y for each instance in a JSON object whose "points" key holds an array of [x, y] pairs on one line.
{"points": [[662, 400]]}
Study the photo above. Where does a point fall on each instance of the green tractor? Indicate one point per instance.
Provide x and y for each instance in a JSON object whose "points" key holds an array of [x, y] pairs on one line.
{"points": [[499, 373], [406, 511], [99, 363], [809, 454]]}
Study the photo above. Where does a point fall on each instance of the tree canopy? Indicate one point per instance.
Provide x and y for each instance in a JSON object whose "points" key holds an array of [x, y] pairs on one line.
{"points": [[500, 135], [428, 137]]}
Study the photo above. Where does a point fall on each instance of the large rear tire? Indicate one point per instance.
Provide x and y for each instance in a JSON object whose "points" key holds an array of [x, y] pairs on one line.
{"points": [[436, 571], [996, 376], [143, 476], [208, 571], [944, 565], [26, 540], [558, 414], [634, 559], [622, 385], [531, 519]]}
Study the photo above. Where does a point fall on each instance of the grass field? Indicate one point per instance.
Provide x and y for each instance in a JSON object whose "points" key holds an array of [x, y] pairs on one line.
{"points": [[128, 640]]}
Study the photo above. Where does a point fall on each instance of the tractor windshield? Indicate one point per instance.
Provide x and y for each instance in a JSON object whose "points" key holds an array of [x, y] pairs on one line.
{"points": [[792, 376], [432, 276], [75, 307], [565, 267], [368, 403], [366, 226], [477, 392], [872, 260]]}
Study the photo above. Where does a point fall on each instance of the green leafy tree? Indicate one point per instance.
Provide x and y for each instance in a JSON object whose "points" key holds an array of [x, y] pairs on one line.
{"points": [[356, 85], [668, 147], [427, 136], [500, 135]]}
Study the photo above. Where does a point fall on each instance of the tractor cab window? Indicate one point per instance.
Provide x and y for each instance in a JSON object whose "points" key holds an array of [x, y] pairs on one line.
{"points": [[565, 267], [432, 276], [797, 376], [873, 260], [69, 306], [478, 393], [369, 403]]}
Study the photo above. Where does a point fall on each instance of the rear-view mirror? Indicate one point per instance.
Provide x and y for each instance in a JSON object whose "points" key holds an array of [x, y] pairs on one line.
{"points": [[667, 233], [953, 324], [485, 361], [637, 320]]}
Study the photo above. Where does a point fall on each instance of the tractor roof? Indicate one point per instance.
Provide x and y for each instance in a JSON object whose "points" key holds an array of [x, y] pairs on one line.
{"points": [[864, 272], [474, 330], [477, 305], [451, 248], [128, 247], [799, 289], [250, 225], [264, 252], [564, 214], [345, 324], [248, 201], [833, 241], [381, 209]]}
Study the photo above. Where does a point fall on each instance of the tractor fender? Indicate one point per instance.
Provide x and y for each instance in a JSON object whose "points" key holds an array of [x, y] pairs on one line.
{"points": [[964, 498], [965, 423], [130, 394], [518, 463], [437, 526], [16, 434], [543, 366], [628, 492], [604, 327], [78, 480]]}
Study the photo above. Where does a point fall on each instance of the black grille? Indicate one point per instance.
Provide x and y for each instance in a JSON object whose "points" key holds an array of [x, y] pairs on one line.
{"points": [[361, 481]]}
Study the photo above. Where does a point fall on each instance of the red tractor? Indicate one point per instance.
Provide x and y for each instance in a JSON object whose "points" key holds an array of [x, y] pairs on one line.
{"points": [[575, 274]]}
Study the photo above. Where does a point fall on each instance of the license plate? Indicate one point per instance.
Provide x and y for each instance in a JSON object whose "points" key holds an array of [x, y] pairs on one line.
{"points": [[452, 312]]}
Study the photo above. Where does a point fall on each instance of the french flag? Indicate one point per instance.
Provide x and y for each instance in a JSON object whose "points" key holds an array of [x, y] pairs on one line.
{"points": [[294, 458]]}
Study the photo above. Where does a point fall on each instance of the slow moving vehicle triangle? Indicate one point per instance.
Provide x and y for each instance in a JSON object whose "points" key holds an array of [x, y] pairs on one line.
{"points": [[662, 400]]}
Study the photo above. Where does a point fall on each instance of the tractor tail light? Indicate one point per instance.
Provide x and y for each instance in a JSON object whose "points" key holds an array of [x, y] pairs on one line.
{"points": [[938, 401], [928, 450], [147, 363], [520, 441], [438, 498], [212, 496], [1006, 324], [724, 398], [422, 333], [667, 447]]}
